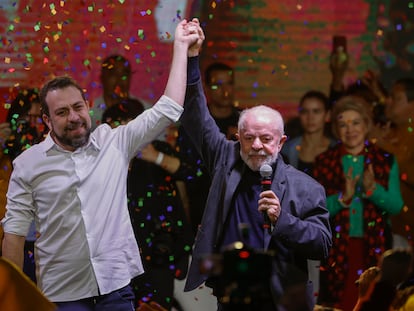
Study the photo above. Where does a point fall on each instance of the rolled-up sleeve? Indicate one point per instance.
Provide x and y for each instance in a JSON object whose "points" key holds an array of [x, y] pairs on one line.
{"points": [[169, 108], [19, 208]]}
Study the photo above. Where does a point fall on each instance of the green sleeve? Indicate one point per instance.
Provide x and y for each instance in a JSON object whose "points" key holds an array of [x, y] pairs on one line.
{"points": [[333, 205], [390, 200]]}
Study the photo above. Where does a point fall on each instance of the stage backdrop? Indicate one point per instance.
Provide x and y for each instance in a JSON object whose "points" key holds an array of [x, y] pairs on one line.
{"points": [[280, 49]]}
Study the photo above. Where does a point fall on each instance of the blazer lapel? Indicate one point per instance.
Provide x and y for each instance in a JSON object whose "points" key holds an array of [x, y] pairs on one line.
{"points": [[278, 187], [232, 183]]}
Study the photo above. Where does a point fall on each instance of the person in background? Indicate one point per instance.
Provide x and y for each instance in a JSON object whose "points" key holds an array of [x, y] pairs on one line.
{"points": [[338, 66], [123, 112], [160, 224], [219, 79], [394, 266], [301, 151], [365, 284], [404, 298], [26, 124], [362, 187], [314, 113], [219, 89], [116, 81], [397, 138], [73, 185], [295, 205], [367, 86]]}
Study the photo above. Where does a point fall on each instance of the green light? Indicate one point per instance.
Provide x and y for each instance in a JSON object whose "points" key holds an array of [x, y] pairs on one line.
{"points": [[242, 266]]}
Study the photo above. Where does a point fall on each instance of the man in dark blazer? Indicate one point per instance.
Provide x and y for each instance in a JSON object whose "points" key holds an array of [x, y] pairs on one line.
{"points": [[295, 204]]}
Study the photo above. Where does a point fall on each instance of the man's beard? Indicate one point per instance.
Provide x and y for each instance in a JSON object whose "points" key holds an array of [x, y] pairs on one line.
{"points": [[255, 166], [74, 142]]}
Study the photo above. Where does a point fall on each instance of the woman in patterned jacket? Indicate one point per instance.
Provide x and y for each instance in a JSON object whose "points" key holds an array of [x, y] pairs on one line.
{"points": [[362, 187]]}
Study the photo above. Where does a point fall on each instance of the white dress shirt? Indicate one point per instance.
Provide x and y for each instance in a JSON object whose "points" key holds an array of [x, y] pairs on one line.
{"points": [[86, 245]]}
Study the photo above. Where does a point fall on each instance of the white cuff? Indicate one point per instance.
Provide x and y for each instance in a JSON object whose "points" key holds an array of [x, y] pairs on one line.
{"points": [[159, 158]]}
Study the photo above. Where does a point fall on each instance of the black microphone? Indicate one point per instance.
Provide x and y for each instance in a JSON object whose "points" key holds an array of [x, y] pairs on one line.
{"points": [[266, 182]]}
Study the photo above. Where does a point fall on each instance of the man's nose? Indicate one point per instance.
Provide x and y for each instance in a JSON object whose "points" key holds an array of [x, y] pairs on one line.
{"points": [[73, 115], [257, 144]]}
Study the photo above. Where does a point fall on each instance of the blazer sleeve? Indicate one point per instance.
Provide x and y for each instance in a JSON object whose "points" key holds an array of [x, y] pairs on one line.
{"points": [[197, 122], [303, 224]]}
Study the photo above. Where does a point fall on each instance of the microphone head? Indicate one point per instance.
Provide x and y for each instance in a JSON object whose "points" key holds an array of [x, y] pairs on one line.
{"points": [[266, 171]]}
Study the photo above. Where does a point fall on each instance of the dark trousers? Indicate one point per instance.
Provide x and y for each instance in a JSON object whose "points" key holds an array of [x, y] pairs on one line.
{"points": [[156, 284], [119, 300]]}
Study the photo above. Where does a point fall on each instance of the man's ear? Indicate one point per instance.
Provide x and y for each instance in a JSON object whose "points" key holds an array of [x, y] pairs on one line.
{"points": [[237, 136], [46, 120], [282, 141]]}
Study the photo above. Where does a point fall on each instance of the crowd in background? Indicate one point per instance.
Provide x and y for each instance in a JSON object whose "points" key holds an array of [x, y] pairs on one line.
{"points": [[356, 141]]}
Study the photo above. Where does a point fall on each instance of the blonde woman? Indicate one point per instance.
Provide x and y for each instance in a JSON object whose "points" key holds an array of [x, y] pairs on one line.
{"points": [[362, 187]]}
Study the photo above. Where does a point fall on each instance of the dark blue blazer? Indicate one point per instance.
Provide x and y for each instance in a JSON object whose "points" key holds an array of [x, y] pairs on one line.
{"points": [[302, 231]]}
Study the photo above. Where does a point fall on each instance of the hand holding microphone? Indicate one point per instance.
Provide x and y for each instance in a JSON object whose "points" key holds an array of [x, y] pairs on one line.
{"points": [[268, 202]]}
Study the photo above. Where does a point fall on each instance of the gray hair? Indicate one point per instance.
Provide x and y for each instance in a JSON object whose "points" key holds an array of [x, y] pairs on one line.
{"points": [[271, 113]]}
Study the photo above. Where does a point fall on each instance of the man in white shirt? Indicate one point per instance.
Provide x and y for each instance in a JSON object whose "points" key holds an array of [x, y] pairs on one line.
{"points": [[74, 186]]}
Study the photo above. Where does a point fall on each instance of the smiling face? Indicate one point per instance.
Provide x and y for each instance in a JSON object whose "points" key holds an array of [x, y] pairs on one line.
{"points": [[260, 139], [68, 119], [352, 131]]}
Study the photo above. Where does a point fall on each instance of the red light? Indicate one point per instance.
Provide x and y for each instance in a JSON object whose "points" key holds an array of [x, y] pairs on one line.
{"points": [[244, 254]]}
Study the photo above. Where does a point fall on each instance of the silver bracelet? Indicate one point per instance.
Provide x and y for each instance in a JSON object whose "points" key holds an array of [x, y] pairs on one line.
{"points": [[159, 158]]}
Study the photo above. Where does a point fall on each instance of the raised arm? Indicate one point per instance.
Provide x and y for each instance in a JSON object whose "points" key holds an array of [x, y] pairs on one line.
{"points": [[186, 35]]}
